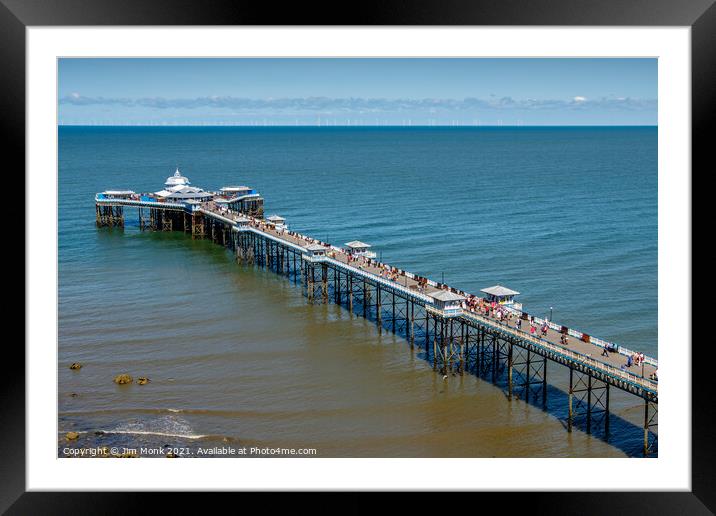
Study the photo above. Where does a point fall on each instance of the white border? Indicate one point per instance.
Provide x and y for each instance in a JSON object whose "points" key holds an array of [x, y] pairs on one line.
{"points": [[670, 471]]}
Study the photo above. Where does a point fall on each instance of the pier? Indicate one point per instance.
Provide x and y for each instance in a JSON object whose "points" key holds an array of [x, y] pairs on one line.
{"points": [[459, 333]]}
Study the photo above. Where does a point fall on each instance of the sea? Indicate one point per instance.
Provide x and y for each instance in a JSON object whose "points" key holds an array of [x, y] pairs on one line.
{"points": [[238, 359]]}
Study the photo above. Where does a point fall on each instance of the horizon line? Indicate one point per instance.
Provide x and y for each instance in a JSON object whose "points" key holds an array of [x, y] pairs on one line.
{"points": [[402, 126]]}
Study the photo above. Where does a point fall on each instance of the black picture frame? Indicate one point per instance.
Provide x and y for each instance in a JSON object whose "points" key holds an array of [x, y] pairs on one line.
{"points": [[700, 15]]}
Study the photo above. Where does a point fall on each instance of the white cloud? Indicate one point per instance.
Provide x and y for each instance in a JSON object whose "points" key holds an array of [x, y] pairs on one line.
{"points": [[580, 99]]}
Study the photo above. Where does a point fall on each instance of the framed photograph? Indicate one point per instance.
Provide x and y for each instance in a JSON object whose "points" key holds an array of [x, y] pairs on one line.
{"points": [[419, 249]]}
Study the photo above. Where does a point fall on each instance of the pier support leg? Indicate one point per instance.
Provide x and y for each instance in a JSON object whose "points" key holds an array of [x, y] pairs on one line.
{"points": [[461, 349], [495, 359], [651, 413], [544, 382], [365, 298], [435, 343], [350, 292], [528, 375], [571, 396], [444, 338], [589, 397], [324, 282], [378, 309], [509, 372], [412, 325], [589, 404], [336, 286], [295, 272], [452, 345], [393, 296], [480, 349], [310, 280], [646, 427], [606, 413]]}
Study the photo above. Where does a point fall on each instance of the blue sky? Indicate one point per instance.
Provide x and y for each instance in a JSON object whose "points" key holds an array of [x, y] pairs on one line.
{"points": [[358, 91]]}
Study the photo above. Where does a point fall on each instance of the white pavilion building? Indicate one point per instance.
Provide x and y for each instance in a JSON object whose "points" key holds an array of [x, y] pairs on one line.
{"points": [[177, 179], [176, 188]]}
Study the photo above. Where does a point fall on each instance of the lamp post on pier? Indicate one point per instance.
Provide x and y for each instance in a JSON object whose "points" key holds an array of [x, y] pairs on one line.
{"points": [[550, 314]]}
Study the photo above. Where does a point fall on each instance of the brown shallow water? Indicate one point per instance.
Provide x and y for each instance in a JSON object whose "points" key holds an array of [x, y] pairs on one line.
{"points": [[246, 361]]}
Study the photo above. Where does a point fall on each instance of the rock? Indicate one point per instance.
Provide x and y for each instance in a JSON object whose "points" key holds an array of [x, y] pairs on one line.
{"points": [[142, 380], [71, 436], [171, 455], [122, 379], [76, 366]]}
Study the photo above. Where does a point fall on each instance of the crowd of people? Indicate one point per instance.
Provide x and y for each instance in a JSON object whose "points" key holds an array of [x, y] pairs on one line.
{"points": [[501, 314], [636, 359]]}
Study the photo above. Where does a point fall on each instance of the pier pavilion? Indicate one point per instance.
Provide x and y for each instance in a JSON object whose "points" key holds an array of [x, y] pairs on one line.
{"points": [[176, 180], [242, 199]]}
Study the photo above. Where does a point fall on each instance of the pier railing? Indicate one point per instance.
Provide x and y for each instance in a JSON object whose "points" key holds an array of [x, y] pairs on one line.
{"points": [[586, 360], [592, 339], [388, 283]]}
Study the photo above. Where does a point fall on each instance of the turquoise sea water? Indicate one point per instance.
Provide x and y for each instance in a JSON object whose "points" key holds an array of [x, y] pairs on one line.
{"points": [[567, 216]]}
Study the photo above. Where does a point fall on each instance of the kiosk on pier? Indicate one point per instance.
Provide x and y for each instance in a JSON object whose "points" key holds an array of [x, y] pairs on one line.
{"points": [[358, 248], [502, 295]]}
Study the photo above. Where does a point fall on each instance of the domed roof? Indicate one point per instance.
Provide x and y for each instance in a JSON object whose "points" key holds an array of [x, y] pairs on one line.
{"points": [[177, 179]]}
